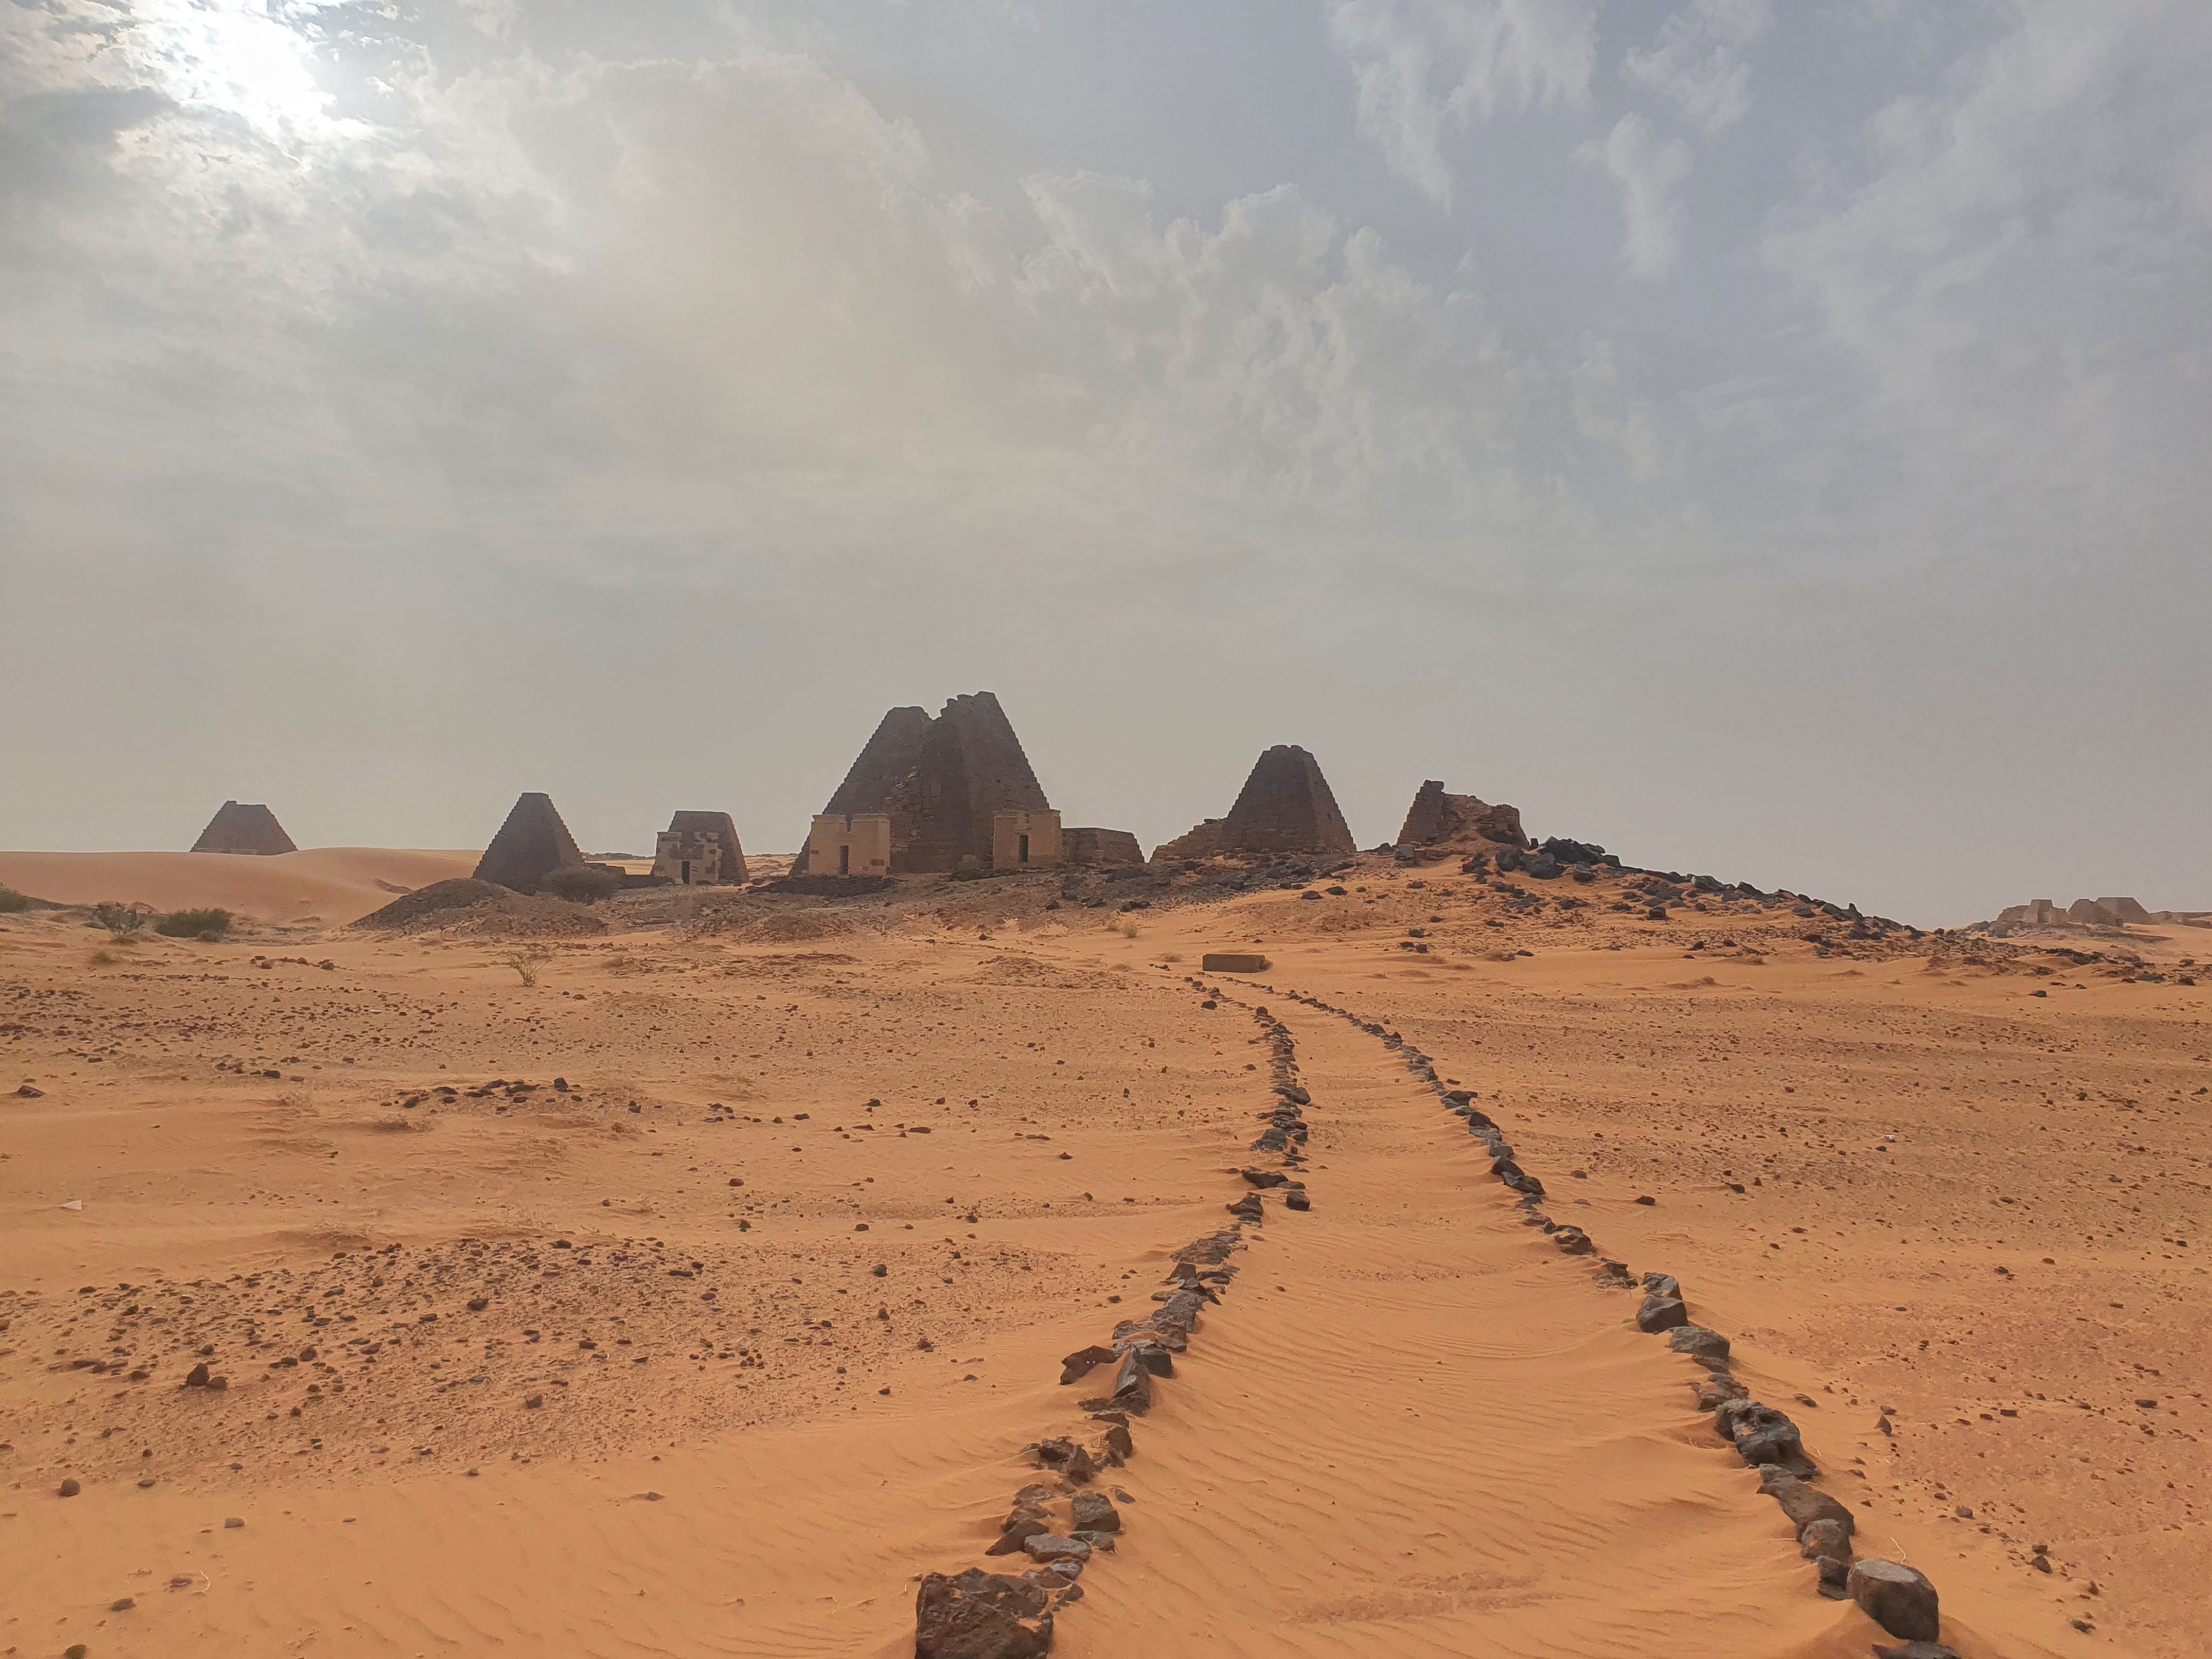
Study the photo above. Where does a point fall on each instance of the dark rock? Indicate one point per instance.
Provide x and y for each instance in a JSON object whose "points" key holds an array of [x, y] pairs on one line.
{"points": [[1119, 1445], [1155, 1359], [1804, 1503], [26, 1092], [1132, 1385], [1661, 1313], [1294, 1094], [1051, 1546], [980, 1615], [1825, 1536], [1297, 1199], [1078, 1365], [197, 1377], [1095, 1512], [1265, 1178], [69, 1488], [1763, 1434], [1835, 1577], [1067, 1459], [1573, 1240], [1663, 1285], [1898, 1598], [1028, 1520], [1913, 1651], [1712, 1390], [1708, 1347]]}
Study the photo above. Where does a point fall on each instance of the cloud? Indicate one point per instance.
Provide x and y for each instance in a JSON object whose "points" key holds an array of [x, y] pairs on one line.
{"points": [[1648, 174], [1696, 62], [1425, 67]]}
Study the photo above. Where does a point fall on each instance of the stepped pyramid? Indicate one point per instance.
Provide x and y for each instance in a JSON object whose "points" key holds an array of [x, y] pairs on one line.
{"points": [[941, 783], [530, 846], [251, 828], [1286, 806]]}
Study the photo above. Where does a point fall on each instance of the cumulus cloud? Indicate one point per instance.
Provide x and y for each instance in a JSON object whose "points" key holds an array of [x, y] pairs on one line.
{"points": [[1648, 174], [1425, 68], [1697, 64]]}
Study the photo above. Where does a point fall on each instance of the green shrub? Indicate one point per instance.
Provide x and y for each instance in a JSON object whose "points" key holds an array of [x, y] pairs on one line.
{"points": [[585, 885], [194, 924], [11, 902], [121, 920]]}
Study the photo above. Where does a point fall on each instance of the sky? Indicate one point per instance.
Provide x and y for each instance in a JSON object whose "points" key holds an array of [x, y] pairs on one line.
{"points": [[1768, 441]]}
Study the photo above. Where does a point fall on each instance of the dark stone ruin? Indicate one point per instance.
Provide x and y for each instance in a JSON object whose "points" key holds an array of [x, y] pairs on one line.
{"points": [[239, 828], [1286, 806], [1459, 822], [941, 783], [1099, 848], [530, 846]]}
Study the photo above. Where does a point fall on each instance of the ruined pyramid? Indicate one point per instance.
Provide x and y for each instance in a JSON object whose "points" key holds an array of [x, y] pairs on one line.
{"points": [[1286, 806], [1436, 820], [240, 828], [530, 846], [941, 781]]}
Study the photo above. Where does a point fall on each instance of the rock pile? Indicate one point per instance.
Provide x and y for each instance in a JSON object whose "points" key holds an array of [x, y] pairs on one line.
{"points": [[1286, 806], [247, 829]]}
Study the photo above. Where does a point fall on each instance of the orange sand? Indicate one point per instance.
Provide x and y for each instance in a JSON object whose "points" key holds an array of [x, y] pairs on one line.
{"points": [[1413, 1427]]}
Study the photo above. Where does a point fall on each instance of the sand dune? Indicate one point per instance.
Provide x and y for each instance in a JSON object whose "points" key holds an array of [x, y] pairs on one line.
{"points": [[573, 1376], [327, 884]]}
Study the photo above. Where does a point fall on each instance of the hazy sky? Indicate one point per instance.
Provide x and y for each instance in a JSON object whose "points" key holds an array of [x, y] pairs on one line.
{"points": [[1773, 440]]}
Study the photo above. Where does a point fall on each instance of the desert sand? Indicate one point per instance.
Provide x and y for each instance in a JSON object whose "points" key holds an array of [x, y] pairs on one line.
{"points": [[702, 1295]]}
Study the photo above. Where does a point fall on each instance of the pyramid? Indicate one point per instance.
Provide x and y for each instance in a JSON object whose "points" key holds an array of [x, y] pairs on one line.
{"points": [[530, 846], [941, 781], [1286, 806], [890, 755], [705, 841], [1436, 820], [971, 768], [244, 829]]}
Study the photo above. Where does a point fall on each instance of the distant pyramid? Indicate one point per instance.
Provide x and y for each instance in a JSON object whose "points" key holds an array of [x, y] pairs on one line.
{"points": [[941, 783], [1286, 807], [889, 756], [530, 846], [700, 849], [244, 829]]}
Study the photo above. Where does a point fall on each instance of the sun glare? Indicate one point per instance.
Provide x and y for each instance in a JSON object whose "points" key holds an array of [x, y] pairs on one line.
{"points": [[249, 58]]}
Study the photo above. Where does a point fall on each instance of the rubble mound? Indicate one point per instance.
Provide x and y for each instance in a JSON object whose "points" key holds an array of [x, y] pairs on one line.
{"points": [[1436, 819], [1286, 806], [238, 827], [481, 909]]}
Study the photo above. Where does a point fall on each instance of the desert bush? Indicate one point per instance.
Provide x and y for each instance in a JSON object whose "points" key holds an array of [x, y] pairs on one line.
{"points": [[1130, 927], [585, 886], [121, 920], [11, 902], [210, 924], [526, 960]]}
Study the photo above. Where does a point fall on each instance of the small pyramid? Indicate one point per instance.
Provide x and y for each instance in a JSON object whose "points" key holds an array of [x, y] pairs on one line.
{"points": [[1286, 806], [530, 846], [250, 828]]}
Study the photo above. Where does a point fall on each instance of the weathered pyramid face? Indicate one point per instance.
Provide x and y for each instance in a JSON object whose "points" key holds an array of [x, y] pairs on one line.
{"points": [[889, 757], [1287, 806], [530, 846], [971, 768], [239, 828]]}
